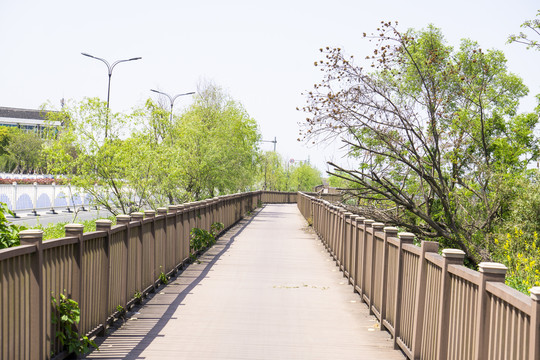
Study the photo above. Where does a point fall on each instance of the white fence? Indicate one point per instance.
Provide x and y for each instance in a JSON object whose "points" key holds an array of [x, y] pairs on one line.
{"points": [[38, 198]]}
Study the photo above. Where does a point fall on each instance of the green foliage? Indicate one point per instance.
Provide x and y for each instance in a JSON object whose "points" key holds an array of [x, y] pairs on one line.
{"points": [[215, 228], [533, 27], [5, 137], [201, 239], [273, 172], [149, 159], [121, 312], [138, 297], [435, 130], [57, 230], [163, 278], [521, 256], [20, 151], [9, 233], [66, 316], [304, 177], [278, 175]]}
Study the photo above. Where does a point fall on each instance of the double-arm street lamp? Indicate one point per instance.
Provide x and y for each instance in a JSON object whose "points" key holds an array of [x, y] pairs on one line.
{"points": [[171, 99], [110, 70]]}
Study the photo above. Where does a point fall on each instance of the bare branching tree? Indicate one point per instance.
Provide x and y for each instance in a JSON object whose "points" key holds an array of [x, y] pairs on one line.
{"points": [[436, 131]]}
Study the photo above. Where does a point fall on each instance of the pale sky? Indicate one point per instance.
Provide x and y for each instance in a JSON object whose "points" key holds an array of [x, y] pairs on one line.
{"points": [[261, 53]]}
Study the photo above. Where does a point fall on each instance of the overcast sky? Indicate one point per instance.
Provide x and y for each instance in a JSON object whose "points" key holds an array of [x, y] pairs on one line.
{"points": [[261, 53]]}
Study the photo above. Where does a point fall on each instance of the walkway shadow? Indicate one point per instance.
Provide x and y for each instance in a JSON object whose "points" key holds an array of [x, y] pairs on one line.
{"points": [[143, 341]]}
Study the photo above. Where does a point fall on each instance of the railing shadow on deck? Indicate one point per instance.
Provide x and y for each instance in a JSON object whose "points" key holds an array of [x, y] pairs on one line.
{"points": [[144, 341], [101, 270], [433, 306]]}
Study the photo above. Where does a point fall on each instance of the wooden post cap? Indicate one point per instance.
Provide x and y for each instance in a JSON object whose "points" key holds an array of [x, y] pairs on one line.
{"points": [[453, 254], [149, 213], [73, 229], [390, 230], [492, 268], [378, 225], [123, 219], [369, 222], [137, 216], [30, 236], [406, 236], [162, 210], [103, 224], [535, 293]]}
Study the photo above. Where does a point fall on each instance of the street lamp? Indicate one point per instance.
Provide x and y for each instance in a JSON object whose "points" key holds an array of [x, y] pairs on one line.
{"points": [[171, 98], [271, 141], [110, 69]]}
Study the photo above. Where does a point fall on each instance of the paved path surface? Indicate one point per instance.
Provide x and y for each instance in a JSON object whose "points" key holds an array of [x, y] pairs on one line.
{"points": [[266, 290]]}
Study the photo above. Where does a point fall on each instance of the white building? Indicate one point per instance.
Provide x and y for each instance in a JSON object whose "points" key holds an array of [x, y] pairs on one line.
{"points": [[26, 120]]}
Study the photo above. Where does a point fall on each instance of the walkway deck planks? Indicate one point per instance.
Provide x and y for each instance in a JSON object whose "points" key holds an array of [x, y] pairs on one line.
{"points": [[267, 290]]}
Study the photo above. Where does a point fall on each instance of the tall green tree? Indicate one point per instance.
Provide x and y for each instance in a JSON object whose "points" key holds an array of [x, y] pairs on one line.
{"points": [[436, 129], [208, 150], [98, 165], [22, 152], [304, 177], [273, 172]]}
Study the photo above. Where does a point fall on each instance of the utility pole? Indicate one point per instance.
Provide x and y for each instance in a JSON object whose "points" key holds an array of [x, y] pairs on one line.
{"points": [[271, 141]]}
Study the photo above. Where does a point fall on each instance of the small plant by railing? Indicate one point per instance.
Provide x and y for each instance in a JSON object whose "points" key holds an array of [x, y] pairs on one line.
{"points": [[66, 316], [163, 278], [121, 312], [215, 228], [201, 239]]}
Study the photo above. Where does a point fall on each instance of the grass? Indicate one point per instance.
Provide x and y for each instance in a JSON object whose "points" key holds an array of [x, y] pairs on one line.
{"points": [[56, 231]]}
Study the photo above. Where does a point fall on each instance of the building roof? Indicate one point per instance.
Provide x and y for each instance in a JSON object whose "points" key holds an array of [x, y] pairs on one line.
{"points": [[25, 117]]}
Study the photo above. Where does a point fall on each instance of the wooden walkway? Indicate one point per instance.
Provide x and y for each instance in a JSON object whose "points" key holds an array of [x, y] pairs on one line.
{"points": [[267, 290]]}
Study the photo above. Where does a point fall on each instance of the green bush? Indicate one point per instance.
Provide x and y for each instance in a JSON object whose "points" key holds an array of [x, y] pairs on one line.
{"points": [[9, 233]]}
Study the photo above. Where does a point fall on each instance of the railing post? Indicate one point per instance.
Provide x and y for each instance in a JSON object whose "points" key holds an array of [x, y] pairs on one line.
{"points": [[162, 211], [420, 301], [451, 257], [367, 224], [404, 238], [534, 342], [151, 214], [360, 257], [376, 226], [77, 230], [353, 252], [37, 312], [139, 279], [180, 231], [173, 209], [343, 244], [388, 232], [127, 261], [494, 272], [105, 225]]}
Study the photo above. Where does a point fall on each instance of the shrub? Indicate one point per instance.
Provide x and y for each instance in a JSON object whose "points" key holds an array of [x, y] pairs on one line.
{"points": [[522, 257]]}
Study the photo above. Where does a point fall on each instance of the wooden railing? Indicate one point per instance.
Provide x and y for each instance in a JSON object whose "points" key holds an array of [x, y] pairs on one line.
{"points": [[432, 305], [100, 269]]}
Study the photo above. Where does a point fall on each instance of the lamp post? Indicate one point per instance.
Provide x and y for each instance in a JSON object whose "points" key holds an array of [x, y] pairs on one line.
{"points": [[110, 70], [171, 99], [271, 141]]}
